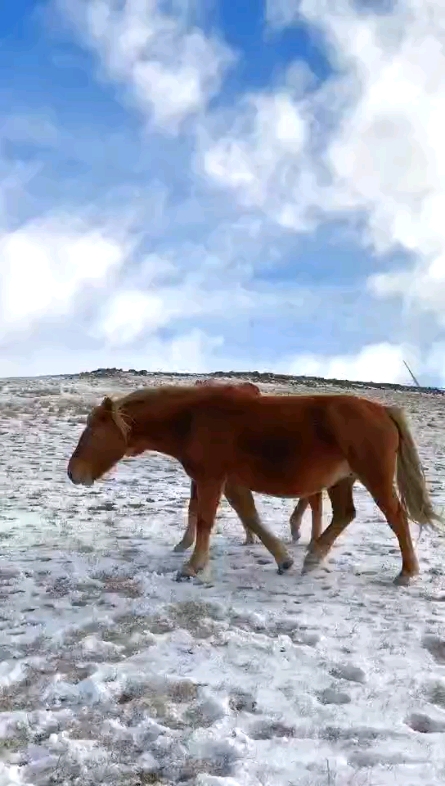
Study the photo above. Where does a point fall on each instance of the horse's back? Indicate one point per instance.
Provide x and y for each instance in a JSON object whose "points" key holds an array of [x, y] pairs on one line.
{"points": [[320, 415]]}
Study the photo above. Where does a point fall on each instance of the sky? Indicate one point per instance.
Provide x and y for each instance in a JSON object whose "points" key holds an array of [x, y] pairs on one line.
{"points": [[202, 185]]}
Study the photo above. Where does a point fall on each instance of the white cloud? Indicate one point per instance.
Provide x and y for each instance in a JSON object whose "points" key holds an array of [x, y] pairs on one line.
{"points": [[273, 159], [170, 68], [262, 156], [133, 313], [128, 314], [386, 157], [373, 363], [381, 157], [192, 351], [421, 287], [46, 264]]}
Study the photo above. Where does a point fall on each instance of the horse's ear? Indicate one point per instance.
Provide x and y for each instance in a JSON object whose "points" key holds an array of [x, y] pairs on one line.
{"points": [[107, 404]]}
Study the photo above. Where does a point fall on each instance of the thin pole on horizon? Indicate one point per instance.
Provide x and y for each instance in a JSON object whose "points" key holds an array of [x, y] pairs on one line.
{"points": [[412, 375]]}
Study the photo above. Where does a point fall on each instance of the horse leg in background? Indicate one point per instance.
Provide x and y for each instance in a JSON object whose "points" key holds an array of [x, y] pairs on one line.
{"points": [[316, 503], [208, 496], [188, 538], [241, 500], [243, 503], [343, 512], [296, 518]]}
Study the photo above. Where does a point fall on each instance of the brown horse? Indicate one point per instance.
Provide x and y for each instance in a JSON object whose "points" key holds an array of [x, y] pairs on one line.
{"points": [[242, 501], [277, 445]]}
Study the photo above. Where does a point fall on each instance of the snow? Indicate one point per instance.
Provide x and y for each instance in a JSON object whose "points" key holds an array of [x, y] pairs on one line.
{"points": [[113, 673]]}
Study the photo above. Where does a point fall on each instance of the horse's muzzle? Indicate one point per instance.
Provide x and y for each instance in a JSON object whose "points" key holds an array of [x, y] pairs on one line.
{"points": [[79, 479]]}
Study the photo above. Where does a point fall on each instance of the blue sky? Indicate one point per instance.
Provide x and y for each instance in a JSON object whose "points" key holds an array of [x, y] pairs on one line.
{"points": [[201, 186]]}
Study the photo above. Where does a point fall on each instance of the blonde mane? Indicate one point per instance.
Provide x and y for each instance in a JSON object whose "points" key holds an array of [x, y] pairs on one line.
{"points": [[124, 421], [164, 393], [121, 419], [142, 394]]}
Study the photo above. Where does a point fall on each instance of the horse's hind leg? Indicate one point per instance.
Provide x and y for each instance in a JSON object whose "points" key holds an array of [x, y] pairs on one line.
{"points": [[188, 538], [376, 472], [297, 518], [343, 512], [242, 501], [316, 503], [384, 494], [398, 521]]}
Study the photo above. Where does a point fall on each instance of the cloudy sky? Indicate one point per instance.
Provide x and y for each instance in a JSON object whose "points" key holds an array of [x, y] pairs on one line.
{"points": [[204, 184]]}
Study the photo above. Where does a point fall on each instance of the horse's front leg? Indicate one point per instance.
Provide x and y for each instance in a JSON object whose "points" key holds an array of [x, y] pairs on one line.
{"points": [[209, 494]]}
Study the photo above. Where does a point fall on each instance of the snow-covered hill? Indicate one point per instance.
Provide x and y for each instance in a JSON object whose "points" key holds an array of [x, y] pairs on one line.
{"points": [[113, 673]]}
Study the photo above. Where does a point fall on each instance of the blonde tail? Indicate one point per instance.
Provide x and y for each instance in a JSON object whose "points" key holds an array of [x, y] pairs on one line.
{"points": [[410, 476]]}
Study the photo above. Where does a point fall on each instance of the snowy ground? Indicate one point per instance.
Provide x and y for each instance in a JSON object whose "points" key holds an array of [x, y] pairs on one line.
{"points": [[113, 673]]}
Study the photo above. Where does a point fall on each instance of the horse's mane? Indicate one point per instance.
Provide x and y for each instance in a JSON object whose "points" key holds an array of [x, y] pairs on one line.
{"points": [[122, 417], [168, 394], [142, 394]]}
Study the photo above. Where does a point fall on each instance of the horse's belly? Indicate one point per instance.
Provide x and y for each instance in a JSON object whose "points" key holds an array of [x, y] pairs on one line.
{"points": [[308, 480]]}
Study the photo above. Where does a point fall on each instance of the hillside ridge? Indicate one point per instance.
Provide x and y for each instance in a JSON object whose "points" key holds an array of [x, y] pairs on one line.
{"points": [[261, 376]]}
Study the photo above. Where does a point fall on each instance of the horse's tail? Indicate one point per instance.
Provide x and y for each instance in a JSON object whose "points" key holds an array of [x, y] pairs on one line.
{"points": [[410, 476]]}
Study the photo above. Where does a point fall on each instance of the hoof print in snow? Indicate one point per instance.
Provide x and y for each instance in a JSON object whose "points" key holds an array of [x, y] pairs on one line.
{"points": [[267, 730], [435, 646], [348, 672], [436, 693], [205, 713], [424, 724], [331, 696], [215, 759], [242, 702], [305, 638]]}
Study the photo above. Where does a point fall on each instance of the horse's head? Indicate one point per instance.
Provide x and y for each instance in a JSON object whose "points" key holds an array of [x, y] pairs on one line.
{"points": [[102, 444]]}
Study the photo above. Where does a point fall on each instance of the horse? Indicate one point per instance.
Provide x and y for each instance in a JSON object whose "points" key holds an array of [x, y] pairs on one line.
{"points": [[283, 446], [242, 501]]}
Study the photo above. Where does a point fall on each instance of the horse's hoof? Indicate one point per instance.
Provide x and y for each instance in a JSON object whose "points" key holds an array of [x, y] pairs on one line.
{"points": [[181, 576], [405, 579], [311, 562], [285, 565], [180, 548], [186, 573]]}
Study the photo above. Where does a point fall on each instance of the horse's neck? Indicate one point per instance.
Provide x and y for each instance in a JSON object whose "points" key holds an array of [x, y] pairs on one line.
{"points": [[159, 429]]}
